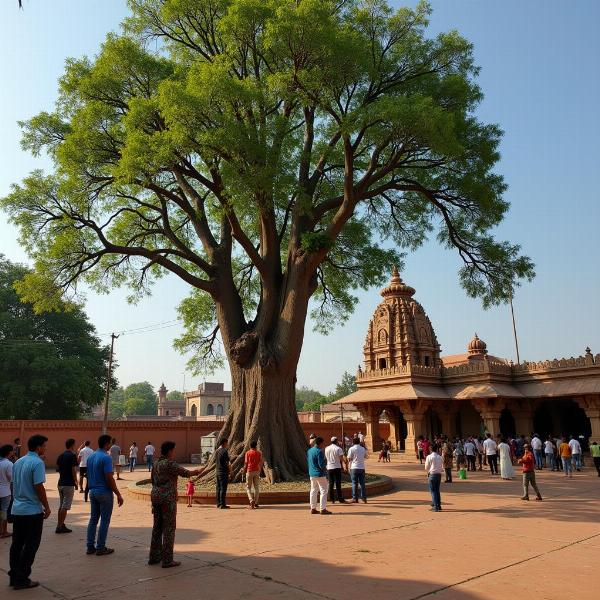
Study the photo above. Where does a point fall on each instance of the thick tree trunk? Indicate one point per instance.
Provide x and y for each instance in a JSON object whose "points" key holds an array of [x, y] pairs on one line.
{"points": [[263, 410]]}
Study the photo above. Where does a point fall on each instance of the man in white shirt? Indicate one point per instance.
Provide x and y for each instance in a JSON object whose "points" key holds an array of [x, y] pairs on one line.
{"points": [[575, 452], [491, 452], [434, 467], [470, 450], [536, 446], [356, 458], [85, 451], [549, 452], [336, 460], [361, 437], [149, 452]]}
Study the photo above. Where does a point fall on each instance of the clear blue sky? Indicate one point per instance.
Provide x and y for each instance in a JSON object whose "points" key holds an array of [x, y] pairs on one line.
{"points": [[541, 79]]}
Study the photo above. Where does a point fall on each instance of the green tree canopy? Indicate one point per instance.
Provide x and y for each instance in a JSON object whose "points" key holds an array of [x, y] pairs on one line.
{"points": [[52, 365], [135, 399], [175, 396], [263, 152]]}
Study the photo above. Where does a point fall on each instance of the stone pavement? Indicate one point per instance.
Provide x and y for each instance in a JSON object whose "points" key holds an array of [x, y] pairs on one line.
{"points": [[485, 544]]}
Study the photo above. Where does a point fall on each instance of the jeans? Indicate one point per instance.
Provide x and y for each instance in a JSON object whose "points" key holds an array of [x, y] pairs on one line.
{"points": [[550, 464], [567, 465], [448, 471], [132, 461], [149, 461], [576, 459], [335, 479], [27, 534], [539, 463], [222, 481], [493, 462], [597, 464], [529, 478], [101, 507], [358, 479], [434, 487], [471, 462], [318, 485]]}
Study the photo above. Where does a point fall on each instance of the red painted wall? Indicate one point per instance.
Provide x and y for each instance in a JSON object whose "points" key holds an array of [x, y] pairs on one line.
{"points": [[186, 434]]}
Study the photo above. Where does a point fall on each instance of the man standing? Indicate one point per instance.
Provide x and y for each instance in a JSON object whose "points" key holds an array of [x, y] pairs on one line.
{"points": [[149, 452], [66, 465], [575, 452], [317, 471], [335, 458], [102, 487], [253, 464], [491, 452], [6, 469], [356, 460], [223, 473], [84, 453], [528, 462], [536, 446], [30, 508], [434, 467], [361, 438], [594, 451], [447, 458], [115, 452], [564, 451], [549, 452], [470, 450]]}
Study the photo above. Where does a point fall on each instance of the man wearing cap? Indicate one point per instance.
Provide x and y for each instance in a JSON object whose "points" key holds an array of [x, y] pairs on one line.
{"points": [[335, 462]]}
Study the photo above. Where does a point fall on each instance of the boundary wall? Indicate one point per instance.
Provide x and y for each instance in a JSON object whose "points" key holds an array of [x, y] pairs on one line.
{"points": [[185, 434]]}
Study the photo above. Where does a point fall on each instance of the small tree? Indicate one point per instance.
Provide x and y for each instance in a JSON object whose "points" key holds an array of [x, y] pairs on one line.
{"points": [[260, 150]]}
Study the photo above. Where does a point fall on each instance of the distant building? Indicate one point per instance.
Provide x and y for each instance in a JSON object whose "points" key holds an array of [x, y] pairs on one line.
{"points": [[169, 408], [210, 399]]}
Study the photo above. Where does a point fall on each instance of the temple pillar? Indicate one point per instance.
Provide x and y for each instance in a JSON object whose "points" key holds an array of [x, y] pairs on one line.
{"points": [[591, 406], [370, 413], [447, 416], [490, 415], [393, 416], [522, 412], [415, 426]]}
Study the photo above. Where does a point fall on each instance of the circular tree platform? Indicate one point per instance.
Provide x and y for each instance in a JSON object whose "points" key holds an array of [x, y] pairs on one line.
{"points": [[294, 492]]}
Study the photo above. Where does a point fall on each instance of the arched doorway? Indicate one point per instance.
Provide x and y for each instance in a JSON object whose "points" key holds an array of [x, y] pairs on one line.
{"points": [[219, 411], [469, 421], [561, 416], [210, 409], [194, 410], [507, 423]]}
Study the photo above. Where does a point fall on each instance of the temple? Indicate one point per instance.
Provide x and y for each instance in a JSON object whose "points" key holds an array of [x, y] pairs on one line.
{"points": [[406, 380]]}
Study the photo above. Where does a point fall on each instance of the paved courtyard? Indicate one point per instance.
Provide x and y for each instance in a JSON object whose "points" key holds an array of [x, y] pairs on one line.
{"points": [[485, 544]]}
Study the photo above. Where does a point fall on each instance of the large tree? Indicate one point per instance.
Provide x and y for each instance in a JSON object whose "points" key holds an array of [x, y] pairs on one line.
{"points": [[262, 150], [52, 365]]}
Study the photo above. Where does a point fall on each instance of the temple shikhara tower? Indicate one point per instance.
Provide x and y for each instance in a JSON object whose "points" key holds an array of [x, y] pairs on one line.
{"points": [[405, 379]]}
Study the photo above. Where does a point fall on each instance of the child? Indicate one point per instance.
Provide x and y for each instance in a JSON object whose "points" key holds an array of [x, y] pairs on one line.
{"points": [[190, 492]]}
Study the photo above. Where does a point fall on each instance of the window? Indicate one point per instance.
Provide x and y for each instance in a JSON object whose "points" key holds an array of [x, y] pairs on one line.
{"points": [[194, 410], [427, 361], [219, 409], [382, 363], [167, 413], [210, 409]]}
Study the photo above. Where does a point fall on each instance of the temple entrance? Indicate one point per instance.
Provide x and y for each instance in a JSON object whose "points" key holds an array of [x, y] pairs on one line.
{"points": [[507, 423], [561, 416], [469, 421]]}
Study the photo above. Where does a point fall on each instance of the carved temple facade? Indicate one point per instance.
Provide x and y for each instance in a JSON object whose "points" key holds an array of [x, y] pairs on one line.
{"points": [[406, 380]]}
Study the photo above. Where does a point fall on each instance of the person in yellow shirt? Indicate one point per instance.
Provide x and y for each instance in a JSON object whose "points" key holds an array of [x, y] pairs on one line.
{"points": [[595, 452], [564, 452]]}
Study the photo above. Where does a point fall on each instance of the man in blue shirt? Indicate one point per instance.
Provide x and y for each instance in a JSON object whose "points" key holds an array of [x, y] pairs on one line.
{"points": [[30, 508], [317, 470], [102, 487]]}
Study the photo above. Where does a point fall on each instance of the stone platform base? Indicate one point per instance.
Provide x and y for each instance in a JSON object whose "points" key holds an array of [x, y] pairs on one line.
{"points": [[139, 491]]}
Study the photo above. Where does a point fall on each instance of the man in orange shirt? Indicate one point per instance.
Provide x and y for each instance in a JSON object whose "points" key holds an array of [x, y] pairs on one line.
{"points": [[528, 462], [253, 464], [564, 452]]}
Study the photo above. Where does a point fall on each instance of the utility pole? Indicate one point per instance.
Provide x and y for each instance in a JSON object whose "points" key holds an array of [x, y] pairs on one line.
{"points": [[512, 312], [113, 337], [342, 421]]}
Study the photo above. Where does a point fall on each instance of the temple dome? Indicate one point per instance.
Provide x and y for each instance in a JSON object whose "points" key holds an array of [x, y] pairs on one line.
{"points": [[400, 331], [476, 347]]}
